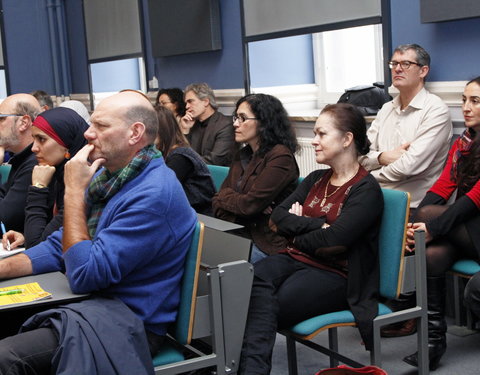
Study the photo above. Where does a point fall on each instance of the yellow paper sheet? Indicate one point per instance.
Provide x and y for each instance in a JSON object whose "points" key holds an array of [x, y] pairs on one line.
{"points": [[31, 292]]}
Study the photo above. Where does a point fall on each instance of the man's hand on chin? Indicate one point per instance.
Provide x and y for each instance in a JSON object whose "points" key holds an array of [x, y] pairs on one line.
{"points": [[78, 174], [79, 171]]}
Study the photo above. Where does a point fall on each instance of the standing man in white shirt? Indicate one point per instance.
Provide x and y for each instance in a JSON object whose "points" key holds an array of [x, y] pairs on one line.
{"points": [[411, 134]]}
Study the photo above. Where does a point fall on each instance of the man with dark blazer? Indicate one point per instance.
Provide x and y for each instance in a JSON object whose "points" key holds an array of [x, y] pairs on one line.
{"points": [[17, 113], [209, 132]]}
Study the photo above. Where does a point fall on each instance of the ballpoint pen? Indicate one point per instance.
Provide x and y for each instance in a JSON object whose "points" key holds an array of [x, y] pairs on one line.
{"points": [[3, 232], [9, 292]]}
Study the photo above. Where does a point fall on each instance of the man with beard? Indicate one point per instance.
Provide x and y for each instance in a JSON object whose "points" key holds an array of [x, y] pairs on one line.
{"points": [[17, 113]]}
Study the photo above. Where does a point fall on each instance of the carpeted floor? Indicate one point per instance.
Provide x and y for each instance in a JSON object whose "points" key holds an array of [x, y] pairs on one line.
{"points": [[462, 356]]}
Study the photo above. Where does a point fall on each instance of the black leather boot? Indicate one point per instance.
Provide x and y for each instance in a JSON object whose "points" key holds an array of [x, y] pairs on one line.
{"points": [[437, 326]]}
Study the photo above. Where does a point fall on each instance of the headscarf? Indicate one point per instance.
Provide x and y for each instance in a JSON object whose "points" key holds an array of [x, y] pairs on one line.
{"points": [[65, 126], [78, 107]]}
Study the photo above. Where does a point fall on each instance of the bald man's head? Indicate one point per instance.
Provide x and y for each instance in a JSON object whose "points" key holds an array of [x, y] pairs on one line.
{"points": [[24, 104], [120, 126], [132, 106]]}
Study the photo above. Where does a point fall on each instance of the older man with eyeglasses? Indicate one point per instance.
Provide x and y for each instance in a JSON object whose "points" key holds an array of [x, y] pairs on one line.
{"points": [[409, 139], [17, 113], [411, 134]]}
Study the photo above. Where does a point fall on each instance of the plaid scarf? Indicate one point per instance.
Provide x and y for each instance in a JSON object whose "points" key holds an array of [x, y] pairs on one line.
{"points": [[464, 144], [107, 184]]}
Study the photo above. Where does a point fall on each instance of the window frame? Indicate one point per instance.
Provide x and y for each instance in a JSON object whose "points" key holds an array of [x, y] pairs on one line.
{"points": [[323, 95]]}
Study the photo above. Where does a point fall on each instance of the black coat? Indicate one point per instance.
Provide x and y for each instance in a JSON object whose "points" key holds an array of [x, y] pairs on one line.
{"points": [[357, 229], [97, 336], [13, 193]]}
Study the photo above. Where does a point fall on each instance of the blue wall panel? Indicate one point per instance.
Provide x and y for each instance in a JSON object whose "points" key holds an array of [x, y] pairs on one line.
{"points": [[28, 45], [220, 69], [76, 39], [453, 46]]}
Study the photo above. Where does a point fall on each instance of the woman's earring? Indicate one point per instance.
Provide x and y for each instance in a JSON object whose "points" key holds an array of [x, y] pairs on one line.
{"points": [[67, 155]]}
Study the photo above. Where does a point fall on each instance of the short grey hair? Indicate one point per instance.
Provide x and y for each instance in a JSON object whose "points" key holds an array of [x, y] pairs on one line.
{"points": [[423, 58], [203, 91], [25, 108], [146, 116]]}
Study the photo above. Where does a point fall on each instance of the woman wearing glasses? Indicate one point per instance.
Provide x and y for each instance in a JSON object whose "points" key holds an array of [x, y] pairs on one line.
{"points": [[57, 136], [451, 230], [263, 173], [172, 99], [332, 221]]}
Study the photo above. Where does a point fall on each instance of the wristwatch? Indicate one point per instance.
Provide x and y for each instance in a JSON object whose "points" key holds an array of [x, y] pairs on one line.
{"points": [[39, 185]]}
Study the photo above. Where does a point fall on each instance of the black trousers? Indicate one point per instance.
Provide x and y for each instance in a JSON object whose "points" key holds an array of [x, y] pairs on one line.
{"points": [[31, 352], [285, 292]]}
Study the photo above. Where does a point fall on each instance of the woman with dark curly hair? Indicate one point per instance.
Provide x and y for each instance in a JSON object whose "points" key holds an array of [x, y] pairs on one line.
{"points": [[451, 230], [263, 173], [332, 221], [189, 167], [172, 99]]}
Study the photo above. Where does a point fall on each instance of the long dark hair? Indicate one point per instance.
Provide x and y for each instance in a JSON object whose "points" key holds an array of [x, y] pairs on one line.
{"points": [[169, 134], [274, 126], [176, 97], [468, 171]]}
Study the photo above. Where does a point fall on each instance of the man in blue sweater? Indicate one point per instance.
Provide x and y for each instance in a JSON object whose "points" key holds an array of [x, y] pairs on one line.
{"points": [[126, 230]]}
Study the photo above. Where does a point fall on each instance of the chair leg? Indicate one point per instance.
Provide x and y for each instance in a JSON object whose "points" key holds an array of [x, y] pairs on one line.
{"points": [[291, 356], [456, 300], [375, 353], [333, 345]]}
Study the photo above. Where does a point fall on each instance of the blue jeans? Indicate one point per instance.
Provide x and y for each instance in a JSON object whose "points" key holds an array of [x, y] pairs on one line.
{"points": [[256, 254]]}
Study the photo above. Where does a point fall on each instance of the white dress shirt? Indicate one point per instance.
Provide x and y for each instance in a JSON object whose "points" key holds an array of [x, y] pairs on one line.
{"points": [[425, 123]]}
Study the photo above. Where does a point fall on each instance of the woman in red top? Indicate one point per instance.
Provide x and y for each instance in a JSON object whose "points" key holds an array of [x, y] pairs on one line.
{"points": [[451, 229], [332, 221]]}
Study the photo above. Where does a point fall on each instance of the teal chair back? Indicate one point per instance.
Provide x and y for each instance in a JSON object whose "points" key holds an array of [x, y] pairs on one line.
{"points": [[4, 172], [183, 327], [392, 241], [219, 174]]}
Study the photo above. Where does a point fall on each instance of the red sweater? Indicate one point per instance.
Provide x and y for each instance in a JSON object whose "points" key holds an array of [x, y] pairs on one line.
{"points": [[445, 187]]}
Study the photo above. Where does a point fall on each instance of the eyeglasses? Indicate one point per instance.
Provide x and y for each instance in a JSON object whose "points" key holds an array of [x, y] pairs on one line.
{"points": [[404, 64], [3, 116], [242, 118]]}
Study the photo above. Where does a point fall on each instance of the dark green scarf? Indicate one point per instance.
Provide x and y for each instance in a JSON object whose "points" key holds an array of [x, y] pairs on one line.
{"points": [[107, 184]]}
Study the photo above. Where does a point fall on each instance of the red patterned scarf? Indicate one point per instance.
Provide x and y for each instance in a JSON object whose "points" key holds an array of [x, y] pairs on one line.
{"points": [[464, 144]]}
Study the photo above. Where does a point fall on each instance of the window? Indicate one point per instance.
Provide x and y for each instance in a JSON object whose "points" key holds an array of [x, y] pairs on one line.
{"points": [[112, 76], [3, 85], [346, 58], [308, 71]]}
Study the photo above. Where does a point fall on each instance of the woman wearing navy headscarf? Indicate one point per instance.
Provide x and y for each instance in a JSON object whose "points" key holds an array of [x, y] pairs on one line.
{"points": [[57, 136]]}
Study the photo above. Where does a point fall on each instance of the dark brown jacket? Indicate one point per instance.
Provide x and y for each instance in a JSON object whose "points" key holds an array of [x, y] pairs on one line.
{"points": [[251, 188]]}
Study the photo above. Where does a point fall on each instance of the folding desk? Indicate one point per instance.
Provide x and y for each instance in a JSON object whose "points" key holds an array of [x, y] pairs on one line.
{"points": [[55, 283]]}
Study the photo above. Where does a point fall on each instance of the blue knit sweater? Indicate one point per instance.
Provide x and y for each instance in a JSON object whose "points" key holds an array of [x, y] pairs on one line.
{"points": [[138, 251]]}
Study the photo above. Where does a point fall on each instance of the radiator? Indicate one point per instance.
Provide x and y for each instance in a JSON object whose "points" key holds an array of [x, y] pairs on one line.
{"points": [[306, 157]]}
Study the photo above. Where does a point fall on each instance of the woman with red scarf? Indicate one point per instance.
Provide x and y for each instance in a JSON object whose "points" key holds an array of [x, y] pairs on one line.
{"points": [[57, 136], [451, 229]]}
